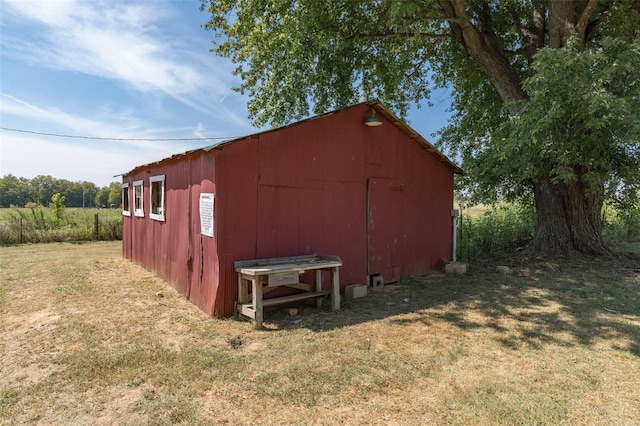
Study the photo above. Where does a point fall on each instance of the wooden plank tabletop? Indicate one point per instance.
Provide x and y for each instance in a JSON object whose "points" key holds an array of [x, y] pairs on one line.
{"points": [[296, 263], [286, 267]]}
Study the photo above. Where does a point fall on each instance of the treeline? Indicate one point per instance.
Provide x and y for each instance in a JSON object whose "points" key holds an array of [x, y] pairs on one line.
{"points": [[22, 192]]}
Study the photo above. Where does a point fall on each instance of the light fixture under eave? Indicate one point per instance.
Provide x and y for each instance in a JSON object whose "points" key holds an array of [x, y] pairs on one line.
{"points": [[373, 121]]}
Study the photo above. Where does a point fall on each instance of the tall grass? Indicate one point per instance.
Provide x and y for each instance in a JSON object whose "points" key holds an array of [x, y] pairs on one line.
{"points": [[622, 225], [505, 228], [37, 224], [501, 229]]}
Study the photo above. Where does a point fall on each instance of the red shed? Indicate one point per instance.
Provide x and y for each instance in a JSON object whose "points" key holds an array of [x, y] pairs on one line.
{"points": [[379, 197]]}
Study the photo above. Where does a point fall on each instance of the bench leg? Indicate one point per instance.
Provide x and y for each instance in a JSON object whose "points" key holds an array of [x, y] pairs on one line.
{"points": [[243, 289], [318, 281], [335, 289], [257, 300]]}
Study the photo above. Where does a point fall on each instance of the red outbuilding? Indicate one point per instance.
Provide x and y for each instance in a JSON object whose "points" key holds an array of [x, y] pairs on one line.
{"points": [[379, 197]]}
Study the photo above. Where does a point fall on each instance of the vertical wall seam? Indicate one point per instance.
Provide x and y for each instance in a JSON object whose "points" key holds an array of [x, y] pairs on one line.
{"points": [[189, 232]]}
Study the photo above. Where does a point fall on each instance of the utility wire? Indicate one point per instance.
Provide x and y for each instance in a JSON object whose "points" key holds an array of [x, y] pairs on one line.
{"points": [[116, 139]]}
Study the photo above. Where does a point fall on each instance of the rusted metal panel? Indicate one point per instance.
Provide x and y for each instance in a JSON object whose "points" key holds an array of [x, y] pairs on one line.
{"points": [[301, 189], [341, 136], [237, 173], [167, 247], [344, 224], [311, 236], [202, 261], [426, 217], [385, 236]]}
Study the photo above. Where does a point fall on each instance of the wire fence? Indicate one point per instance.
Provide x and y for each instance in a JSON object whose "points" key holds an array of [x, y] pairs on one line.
{"points": [[41, 225]]}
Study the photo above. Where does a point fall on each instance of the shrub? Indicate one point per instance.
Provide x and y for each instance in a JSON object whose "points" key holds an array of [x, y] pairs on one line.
{"points": [[505, 228], [37, 224], [622, 224], [501, 229]]}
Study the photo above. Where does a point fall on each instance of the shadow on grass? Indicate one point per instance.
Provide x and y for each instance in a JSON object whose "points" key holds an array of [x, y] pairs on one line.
{"points": [[567, 303]]}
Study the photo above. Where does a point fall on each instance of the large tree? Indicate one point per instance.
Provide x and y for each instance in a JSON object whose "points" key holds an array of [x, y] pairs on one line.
{"points": [[546, 94]]}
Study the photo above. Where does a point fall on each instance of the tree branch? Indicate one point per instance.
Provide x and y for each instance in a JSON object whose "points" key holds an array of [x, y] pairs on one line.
{"points": [[454, 22], [584, 19], [486, 50], [392, 33]]}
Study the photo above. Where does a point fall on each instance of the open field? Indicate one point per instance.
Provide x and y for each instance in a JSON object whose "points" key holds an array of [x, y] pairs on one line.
{"points": [[89, 338], [72, 211], [41, 225], [473, 211]]}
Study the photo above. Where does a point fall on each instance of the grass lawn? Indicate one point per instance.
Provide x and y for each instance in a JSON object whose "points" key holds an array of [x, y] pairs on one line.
{"points": [[86, 337]]}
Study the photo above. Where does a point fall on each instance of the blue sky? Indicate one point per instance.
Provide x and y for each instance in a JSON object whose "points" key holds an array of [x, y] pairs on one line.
{"points": [[120, 69]]}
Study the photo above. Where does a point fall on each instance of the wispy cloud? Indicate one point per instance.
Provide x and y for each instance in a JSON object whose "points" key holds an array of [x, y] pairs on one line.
{"points": [[125, 42], [115, 124], [27, 156], [126, 69]]}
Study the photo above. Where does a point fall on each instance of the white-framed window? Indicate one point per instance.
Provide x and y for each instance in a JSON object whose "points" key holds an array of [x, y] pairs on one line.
{"points": [[156, 194], [138, 205], [126, 208]]}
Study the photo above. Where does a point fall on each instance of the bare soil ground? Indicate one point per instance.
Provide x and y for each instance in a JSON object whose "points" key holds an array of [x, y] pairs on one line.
{"points": [[86, 337]]}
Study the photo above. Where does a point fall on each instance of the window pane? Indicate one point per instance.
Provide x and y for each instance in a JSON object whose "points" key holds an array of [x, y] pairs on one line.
{"points": [[125, 199], [138, 197], [156, 197], [157, 189]]}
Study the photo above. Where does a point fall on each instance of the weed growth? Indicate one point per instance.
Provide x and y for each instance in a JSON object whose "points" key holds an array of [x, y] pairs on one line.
{"points": [[505, 228], [38, 224], [622, 225], [500, 230]]}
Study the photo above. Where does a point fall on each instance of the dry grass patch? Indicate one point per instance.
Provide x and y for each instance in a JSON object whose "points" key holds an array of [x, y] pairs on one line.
{"points": [[86, 339]]}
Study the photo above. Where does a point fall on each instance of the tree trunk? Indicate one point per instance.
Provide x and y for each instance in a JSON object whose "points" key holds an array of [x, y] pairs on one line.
{"points": [[568, 213], [568, 219]]}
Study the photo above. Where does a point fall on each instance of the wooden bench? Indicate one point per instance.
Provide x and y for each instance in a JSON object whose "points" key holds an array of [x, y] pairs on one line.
{"points": [[264, 275]]}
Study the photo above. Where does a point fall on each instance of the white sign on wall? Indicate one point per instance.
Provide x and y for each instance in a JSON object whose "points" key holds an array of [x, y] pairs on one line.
{"points": [[206, 214]]}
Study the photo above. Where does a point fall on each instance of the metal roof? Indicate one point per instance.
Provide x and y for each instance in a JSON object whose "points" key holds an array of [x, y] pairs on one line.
{"points": [[376, 104]]}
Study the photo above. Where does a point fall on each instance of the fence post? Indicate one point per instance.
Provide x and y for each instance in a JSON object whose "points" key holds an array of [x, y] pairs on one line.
{"points": [[96, 227]]}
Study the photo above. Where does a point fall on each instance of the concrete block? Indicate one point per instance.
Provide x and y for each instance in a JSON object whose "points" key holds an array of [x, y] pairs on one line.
{"points": [[355, 291], [455, 268], [504, 270], [377, 282]]}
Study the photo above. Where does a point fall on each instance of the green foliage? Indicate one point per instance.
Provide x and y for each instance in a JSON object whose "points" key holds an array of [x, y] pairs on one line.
{"points": [[587, 129], [57, 207], [37, 224], [507, 227], [500, 230], [546, 95], [294, 56], [622, 223], [18, 191], [581, 121], [102, 197], [111, 195], [13, 191], [577, 107], [115, 194]]}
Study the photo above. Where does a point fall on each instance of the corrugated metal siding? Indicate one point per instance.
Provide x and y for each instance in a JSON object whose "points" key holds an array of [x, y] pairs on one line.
{"points": [[309, 195], [298, 190], [236, 215], [385, 234], [204, 273], [173, 248]]}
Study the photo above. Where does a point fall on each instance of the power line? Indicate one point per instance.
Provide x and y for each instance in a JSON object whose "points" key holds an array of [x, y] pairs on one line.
{"points": [[116, 139]]}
